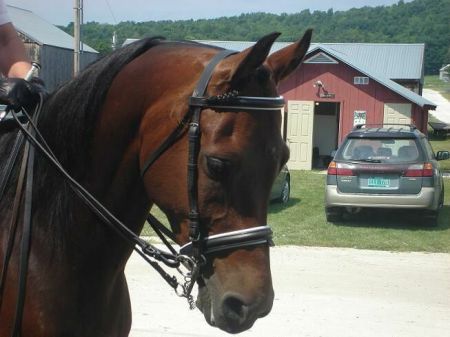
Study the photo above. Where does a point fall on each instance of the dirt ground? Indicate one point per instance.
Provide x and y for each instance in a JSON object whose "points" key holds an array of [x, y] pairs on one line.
{"points": [[319, 292], [442, 111]]}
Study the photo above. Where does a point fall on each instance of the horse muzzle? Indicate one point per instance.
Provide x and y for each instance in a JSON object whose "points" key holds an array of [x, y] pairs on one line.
{"points": [[233, 301]]}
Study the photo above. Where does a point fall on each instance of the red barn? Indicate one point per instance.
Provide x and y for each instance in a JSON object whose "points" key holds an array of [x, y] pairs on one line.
{"points": [[341, 85]]}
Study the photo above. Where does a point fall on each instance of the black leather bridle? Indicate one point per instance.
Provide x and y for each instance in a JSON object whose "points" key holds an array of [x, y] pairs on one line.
{"points": [[193, 254], [199, 246]]}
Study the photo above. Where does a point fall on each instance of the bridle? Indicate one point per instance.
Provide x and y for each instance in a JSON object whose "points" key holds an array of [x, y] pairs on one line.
{"points": [[195, 253], [199, 247]]}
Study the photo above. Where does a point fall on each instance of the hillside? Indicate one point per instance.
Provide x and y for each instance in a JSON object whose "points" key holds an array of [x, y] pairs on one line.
{"points": [[419, 21]]}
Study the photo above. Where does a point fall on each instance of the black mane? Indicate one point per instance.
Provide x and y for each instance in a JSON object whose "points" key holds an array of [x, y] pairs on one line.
{"points": [[67, 122], [70, 113]]}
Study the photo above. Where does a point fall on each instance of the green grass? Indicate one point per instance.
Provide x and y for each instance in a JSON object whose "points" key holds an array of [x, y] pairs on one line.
{"points": [[441, 144], [433, 82], [302, 222]]}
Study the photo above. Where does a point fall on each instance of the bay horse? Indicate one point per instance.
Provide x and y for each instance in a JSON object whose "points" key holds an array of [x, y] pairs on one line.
{"points": [[102, 126]]}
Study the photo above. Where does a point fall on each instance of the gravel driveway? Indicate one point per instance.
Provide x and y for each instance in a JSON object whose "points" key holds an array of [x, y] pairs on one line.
{"points": [[319, 292], [442, 111]]}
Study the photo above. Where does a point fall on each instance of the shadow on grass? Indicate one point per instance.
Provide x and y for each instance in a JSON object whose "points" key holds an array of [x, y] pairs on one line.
{"points": [[276, 206], [395, 219]]}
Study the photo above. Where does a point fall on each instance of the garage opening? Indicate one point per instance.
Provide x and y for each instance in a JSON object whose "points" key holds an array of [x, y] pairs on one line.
{"points": [[325, 134]]}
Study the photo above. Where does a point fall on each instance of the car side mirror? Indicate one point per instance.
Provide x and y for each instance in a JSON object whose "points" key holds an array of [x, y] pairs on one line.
{"points": [[442, 155]]}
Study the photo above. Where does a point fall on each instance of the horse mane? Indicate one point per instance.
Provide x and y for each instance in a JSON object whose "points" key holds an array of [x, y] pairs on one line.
{"points": [[67, 122], [70, 112]]}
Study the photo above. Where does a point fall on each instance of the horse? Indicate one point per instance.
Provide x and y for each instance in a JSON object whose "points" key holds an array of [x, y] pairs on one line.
{"points": [[102, 126]]}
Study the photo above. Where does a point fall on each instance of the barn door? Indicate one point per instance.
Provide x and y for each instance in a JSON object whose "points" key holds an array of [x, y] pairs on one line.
{"points": [[300, 123], [397, 113]]}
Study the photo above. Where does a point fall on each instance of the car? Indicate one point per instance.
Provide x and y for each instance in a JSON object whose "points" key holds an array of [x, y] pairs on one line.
{"points": [[385, 166], [281, 188]]}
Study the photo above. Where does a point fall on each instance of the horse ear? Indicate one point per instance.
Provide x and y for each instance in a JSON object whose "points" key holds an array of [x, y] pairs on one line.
{"points": [[249, 59], [286, 60]]}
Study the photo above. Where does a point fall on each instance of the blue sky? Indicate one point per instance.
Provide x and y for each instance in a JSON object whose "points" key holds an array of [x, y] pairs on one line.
{"points": [[114, 11]]}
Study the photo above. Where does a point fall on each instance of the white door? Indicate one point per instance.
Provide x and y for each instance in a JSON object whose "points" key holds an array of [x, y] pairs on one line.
{"points": [[300, 122], [397, 113]]}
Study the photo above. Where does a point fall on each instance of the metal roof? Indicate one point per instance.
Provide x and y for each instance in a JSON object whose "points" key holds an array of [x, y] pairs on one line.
{"points": [[395, 61], [41, 31], [364, 69], [379, 61], [392, 60]]}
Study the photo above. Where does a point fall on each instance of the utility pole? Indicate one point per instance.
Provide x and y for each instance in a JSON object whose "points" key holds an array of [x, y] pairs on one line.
{"points": [[76, 35], [114, 41]]}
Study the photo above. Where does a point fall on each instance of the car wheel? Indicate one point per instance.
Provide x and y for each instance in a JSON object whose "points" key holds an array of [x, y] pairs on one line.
{"points": [[430, 218], [285, 192], [441, 199], [334, 214]]}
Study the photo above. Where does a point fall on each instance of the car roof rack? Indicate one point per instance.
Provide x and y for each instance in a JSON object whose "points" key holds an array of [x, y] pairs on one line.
{"points": [[388, 126]]}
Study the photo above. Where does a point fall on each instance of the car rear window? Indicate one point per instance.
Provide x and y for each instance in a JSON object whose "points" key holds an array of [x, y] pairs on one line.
{"points": [[383, 150]]}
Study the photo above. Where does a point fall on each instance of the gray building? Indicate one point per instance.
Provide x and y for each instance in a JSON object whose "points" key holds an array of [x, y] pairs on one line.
{"points": [[48, 45]]}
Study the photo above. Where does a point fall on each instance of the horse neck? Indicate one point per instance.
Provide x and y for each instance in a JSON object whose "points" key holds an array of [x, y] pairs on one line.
{"points": [[110, 172]]}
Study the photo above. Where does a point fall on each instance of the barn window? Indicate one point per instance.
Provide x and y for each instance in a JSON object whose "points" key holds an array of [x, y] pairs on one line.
{"points": [[360, 80]]}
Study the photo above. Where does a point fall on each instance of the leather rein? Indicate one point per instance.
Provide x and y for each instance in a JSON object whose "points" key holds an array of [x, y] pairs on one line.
{"points": [[192, 255]]}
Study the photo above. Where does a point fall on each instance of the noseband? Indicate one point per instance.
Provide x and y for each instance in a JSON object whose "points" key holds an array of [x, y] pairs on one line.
{"points": [[200, 246]]}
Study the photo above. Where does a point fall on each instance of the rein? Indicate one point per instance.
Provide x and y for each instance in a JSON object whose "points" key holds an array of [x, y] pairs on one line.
{"points": [[193, 254]]}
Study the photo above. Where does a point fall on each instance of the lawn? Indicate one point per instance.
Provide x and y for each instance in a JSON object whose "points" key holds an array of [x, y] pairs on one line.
{"points": [[441, 144], [302, 222]]}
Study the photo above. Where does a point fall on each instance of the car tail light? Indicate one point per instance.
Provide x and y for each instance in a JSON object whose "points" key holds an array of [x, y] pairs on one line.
{"points": [[419, 170], [427, 170], [339, 169], [332, 169]]}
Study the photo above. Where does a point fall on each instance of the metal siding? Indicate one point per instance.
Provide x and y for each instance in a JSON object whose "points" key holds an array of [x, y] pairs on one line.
{"points": [[57, 65]]}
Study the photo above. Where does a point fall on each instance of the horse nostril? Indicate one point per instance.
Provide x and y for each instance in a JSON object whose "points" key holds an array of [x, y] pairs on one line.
{"points": [[234, 310]]}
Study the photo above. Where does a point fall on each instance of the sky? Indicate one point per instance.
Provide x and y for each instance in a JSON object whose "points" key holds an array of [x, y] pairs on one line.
{"points": [[60, 12]]}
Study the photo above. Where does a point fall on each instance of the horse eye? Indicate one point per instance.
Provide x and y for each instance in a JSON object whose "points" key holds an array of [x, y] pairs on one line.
{"points": [[217, 168]]}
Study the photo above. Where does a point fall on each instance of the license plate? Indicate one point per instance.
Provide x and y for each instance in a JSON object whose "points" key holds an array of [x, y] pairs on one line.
{"points": [[377, 182]]}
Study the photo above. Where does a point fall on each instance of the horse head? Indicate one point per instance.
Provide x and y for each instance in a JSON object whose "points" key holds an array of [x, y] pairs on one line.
{"points": [[240, 154]]}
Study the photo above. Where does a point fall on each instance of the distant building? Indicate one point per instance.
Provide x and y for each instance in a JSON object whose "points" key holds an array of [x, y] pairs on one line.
{"points": [[444, 73], [48, 45]]}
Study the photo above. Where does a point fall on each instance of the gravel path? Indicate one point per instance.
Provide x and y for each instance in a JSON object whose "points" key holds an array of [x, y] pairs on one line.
{"points": [[319, 292], [442, 111]]}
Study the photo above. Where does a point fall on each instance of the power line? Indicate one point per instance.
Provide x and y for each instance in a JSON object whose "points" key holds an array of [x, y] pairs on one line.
{"points": [[111, 11]]}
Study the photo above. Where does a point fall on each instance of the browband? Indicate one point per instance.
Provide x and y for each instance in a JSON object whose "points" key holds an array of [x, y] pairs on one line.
{"points": [[239, 102]]}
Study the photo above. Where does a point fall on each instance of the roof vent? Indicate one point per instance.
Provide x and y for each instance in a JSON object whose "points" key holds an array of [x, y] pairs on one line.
{"points": [[321, 58]]}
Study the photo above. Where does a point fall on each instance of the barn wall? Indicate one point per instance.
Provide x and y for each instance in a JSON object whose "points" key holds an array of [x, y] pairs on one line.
{"points": [[338, 80], [56, 63]]}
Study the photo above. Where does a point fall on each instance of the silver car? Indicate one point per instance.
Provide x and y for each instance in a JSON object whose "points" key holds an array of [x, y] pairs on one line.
{"points": [[388, 166], [281, 188]]}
